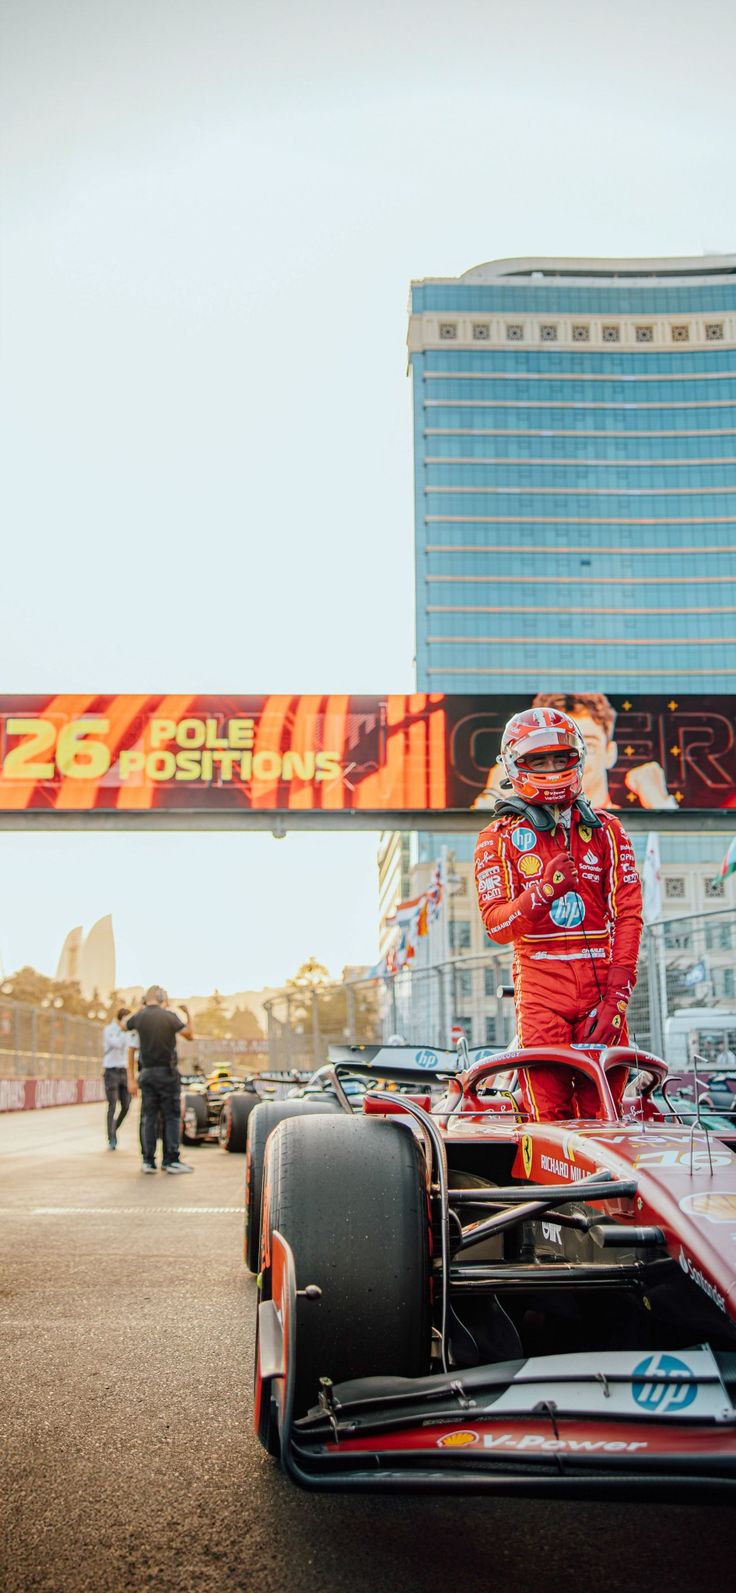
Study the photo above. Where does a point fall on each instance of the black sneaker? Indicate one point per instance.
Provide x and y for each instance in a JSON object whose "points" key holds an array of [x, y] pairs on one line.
{"points": [[148, 1167]]}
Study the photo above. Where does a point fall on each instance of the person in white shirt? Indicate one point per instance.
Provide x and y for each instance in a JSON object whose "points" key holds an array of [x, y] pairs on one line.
{"points": [[117, 1043], [725, 1060]]}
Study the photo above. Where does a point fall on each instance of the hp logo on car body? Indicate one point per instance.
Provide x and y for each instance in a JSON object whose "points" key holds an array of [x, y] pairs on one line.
{"points": [[678, 1390]]}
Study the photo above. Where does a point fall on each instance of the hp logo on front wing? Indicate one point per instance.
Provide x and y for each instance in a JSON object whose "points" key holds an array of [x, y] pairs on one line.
{"points": [[675, 1394]]}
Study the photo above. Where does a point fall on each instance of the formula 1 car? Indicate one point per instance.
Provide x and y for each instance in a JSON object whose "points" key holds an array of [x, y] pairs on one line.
{"points": [[453, 1297], [217, 1108], [715, 1092]]}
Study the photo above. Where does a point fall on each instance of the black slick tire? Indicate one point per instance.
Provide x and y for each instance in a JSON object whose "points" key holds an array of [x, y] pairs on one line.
{"points": [[195, 1118], [261, 1123], [350, 1197], [232, 1129]]}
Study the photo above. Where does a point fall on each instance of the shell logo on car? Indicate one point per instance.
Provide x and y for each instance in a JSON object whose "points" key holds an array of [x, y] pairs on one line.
{"points": [[459, 1440], [718, 1205]]}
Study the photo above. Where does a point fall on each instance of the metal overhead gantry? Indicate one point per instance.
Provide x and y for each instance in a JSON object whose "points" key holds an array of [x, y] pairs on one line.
{"points": [[416, 761]]}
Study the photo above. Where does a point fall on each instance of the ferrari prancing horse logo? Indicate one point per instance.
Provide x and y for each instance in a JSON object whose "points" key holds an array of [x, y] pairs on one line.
{"points": [[527, 1150]]}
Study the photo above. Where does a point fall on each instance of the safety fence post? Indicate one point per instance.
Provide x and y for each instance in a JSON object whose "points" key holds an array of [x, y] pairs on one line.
{"points": [[656, 1025], [392, 991], [350, 1025], [316, 1037]]}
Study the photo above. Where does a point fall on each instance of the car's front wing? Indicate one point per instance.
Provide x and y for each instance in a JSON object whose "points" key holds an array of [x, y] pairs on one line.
{"points": [[615, 1423]]}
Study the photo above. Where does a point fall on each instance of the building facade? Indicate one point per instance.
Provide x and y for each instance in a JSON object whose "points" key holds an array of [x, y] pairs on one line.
{"points": [[394, 869], [575, 476], [575, 505]]}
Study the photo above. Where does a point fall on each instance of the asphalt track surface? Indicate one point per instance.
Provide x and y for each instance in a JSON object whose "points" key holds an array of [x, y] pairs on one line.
{"points": [[128, 1460]]}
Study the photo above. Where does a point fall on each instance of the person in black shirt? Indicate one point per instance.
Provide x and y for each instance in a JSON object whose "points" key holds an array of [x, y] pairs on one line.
{"points": [[160, 1083]]}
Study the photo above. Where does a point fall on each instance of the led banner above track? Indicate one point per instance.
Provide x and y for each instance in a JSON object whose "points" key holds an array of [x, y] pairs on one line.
{"points": [[422, 761]]}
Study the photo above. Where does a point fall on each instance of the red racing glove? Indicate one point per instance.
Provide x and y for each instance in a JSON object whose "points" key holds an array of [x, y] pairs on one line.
{"points": [[559, 877], [609, 1018]]}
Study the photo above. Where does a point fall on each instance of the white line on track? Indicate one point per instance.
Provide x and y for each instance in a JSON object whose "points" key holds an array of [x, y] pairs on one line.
{"points": [[124, 1211]]}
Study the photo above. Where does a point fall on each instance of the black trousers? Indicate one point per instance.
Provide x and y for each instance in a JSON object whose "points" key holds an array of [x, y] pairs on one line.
{"points": [[117, 1092], [160, 1092]]}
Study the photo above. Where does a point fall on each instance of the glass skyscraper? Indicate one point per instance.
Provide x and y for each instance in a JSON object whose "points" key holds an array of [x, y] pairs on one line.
{"points": [[575, 476]]}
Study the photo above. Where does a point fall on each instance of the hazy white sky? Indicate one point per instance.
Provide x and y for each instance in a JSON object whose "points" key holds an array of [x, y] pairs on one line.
{"points": [[210, 215]]}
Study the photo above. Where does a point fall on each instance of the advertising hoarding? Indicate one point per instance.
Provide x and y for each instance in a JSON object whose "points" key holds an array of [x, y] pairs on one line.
{"points": [[424, 753]]}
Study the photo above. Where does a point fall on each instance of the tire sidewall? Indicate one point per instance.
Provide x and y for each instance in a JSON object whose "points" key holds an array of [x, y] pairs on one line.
{"points": [[198, 1103], [261, 1123], [235, 1113], [350, 1198]]}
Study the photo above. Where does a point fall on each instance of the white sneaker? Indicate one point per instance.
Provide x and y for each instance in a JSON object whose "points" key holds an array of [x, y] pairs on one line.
{"points": [[177, 1167]]}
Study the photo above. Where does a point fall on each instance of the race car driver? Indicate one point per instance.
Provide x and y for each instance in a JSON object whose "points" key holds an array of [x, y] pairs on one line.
{"points": [[559, 880]]}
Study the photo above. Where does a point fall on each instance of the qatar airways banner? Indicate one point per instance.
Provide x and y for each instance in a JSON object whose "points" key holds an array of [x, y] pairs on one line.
{"points": [[423, 753], [30, 1095]]}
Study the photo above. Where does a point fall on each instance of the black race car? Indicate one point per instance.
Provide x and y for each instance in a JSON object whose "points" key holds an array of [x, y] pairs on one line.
{"points": [[217, 1108]]}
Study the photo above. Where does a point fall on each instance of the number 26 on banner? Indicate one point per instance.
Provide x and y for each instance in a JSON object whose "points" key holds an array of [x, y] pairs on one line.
{"points": [[76, 752]]}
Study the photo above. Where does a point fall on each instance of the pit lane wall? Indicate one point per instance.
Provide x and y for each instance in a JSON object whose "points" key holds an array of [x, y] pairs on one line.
{"points": [[49, 1057], [28, 1095]]}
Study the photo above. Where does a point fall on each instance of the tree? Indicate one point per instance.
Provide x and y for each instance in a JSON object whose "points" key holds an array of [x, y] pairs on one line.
{"points": [[213, 1019], [244, 1025], [311, 974], [37, 989]]}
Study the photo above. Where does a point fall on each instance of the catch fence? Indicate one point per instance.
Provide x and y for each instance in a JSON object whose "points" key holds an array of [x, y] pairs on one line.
{"points": [[45, 1043], [685, 963]]}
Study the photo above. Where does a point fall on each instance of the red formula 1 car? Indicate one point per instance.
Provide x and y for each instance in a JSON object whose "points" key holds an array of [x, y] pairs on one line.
{"points": [[452, 1297]]}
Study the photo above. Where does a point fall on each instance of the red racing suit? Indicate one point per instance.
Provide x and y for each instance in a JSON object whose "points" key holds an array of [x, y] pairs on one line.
{"points": [[563, 954]]}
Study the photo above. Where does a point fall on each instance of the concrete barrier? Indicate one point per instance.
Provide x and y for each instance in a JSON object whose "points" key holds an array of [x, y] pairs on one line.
{"points": [[29, 1095]]}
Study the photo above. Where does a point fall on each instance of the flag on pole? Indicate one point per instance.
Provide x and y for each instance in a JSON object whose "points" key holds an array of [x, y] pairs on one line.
{"points": [[728, 866], [434, 894], [652, 881], [404, 913]]}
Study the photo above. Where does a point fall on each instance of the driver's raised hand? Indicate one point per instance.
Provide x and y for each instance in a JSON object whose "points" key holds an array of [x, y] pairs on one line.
{"points": [[559, 877]]}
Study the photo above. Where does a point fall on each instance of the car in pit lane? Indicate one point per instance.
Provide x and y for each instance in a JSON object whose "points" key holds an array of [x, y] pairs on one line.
{"points": [[715, 1092], [316, 1088], [721, 1092], [454, 1297], [216, 1109], [691, 1100]]}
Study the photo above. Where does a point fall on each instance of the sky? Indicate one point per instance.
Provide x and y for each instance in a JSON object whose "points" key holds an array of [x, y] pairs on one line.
{"points": [[210, 216]]}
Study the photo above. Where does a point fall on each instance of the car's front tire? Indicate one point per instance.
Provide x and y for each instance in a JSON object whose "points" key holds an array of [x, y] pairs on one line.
{"points": [[261, 1123], [349, 1195]]}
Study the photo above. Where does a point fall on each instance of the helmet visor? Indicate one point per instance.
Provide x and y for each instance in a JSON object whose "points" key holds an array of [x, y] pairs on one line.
{"points": [[548, 740]]}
